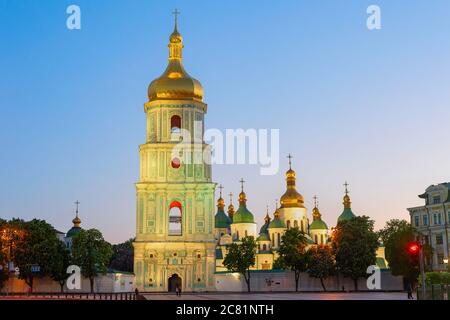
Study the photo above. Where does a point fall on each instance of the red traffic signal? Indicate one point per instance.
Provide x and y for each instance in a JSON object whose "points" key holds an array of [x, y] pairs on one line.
{"points": [[413, 248]]}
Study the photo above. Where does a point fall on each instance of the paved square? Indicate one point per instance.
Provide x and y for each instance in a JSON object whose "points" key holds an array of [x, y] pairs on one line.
{"points": [[282, 296]]}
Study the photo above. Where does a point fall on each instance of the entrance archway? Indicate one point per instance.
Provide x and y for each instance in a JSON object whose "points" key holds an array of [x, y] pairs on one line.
{"points": [[174, 281]]}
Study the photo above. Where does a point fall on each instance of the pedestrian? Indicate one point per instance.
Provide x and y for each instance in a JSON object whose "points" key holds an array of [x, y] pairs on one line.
{"points": [[409, 289], [177, 290]]}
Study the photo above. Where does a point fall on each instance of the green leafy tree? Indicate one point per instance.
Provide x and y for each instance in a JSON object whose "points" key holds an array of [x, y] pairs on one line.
{"points": [[321, 264], [37, 247], [123, 256], [292, 254], [355, 244], [241, 257], [396, 236], [3, 254], [91, 253], [61, 261]]}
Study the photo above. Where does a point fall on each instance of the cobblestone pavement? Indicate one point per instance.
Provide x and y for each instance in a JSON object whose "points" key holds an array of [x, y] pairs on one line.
{"points": [[283, 296]]}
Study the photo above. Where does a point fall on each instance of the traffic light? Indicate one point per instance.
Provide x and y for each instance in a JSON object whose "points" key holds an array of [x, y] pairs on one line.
{"points": [[413, 248]]}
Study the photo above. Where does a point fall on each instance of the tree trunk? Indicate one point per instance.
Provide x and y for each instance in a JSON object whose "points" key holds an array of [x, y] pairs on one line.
{"points": [[91, 281], [29, 282], [355, 281], [297, 278], [61, 284], [323, 284], [247, 279]]}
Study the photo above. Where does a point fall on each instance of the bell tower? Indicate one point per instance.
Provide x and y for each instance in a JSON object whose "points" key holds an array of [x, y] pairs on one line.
{"points": [[175, 243]]}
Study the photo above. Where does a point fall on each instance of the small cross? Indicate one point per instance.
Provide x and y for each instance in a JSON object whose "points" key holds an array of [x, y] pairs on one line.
{"points": [[77, 203], [176, 13], [315, 201], [242, 184], [231, 197], [290, 158], [220, 188], [276, 204], [346, 185], [267, 209]]}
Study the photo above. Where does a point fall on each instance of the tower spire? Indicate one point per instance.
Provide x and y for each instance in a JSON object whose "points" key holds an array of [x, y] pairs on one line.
{"points": [[347, 203], [175, 14], [76, 221], [242, 195]]}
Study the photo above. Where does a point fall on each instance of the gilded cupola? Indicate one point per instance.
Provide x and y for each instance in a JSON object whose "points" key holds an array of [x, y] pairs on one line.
{"points": [[317, 218], [231, 209], [221, 219], [175, 83], [291, 198], [243, 215], [347, 214]]}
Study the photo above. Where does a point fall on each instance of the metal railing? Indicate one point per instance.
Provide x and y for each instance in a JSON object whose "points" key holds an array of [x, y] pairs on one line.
{"points": [[74, 295], [434, 292]]}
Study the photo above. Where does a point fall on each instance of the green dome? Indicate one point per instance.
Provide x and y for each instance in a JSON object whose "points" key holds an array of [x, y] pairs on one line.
{"points": [[318, 225], [264, 228], [222, 220], [263, 237], [243, 215], [276, 223], [73, 232], [347, 214]]}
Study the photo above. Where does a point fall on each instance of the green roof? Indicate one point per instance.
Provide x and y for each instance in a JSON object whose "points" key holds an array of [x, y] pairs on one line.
{"points": [[243, 215], [263, 237], [222, 220], [318, 225], [73, 232], [276, 223], [347, 214], [264, 228], [381, 263]]}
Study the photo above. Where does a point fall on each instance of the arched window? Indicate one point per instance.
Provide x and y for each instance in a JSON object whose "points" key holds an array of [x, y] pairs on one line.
{"points": [[237, 234], [264, 247], [321, 239], [246, 234], [295, 224], [288, 224], [302, 228], [175, 124], [273, 239], [279, 238], [316, 239], [175, 219]]}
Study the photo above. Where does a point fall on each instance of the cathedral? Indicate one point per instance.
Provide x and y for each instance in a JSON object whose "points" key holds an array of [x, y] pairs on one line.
{"points": [[290, 214], [179, 242]]}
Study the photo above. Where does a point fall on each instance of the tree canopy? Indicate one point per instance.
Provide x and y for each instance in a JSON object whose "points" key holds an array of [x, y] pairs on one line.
{"points": [[355, 244], [123, 256], [241, 257], [292, 254], [321, 264], [91, 253]]}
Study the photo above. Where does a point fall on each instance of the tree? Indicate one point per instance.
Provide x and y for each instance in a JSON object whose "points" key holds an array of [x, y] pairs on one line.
{"points": [[396, 236], [91, 253], [321, 264], [292, 253], [61, 262], [355, 244], [240, 257], [35, 250], [3, 254], [123, 256]]}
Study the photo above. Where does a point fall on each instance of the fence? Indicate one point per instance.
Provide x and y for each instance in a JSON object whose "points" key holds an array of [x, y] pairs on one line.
{"points": [[434, 292], [74, 296]]}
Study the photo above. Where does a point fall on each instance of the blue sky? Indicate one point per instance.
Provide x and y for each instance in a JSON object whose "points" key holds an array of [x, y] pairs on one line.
{"points": [[370, 107]]}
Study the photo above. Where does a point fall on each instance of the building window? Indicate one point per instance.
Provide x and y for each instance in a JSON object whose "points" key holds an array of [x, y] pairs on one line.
{"points": [[246, 233], [288, 224], [175, 219], [416, 221], [237, 234], [259, 246], [440, 258], [279, 239], [273, 240], [436, 199], [437, 218], [425, 220], [316, 239], [321, 239], [175, 124], [439, 239], [264, 247], [295, 224]]}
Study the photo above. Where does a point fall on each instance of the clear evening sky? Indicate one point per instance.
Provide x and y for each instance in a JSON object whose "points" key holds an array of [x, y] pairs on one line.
{"points": [[370, 107]]}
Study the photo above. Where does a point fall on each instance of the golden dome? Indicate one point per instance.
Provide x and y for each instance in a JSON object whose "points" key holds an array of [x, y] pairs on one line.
{"points": [[175, 83], [291, 198], [76, 221]]}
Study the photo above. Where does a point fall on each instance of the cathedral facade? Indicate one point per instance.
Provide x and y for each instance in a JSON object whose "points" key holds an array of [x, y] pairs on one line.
{"points": [[174, 244]]}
